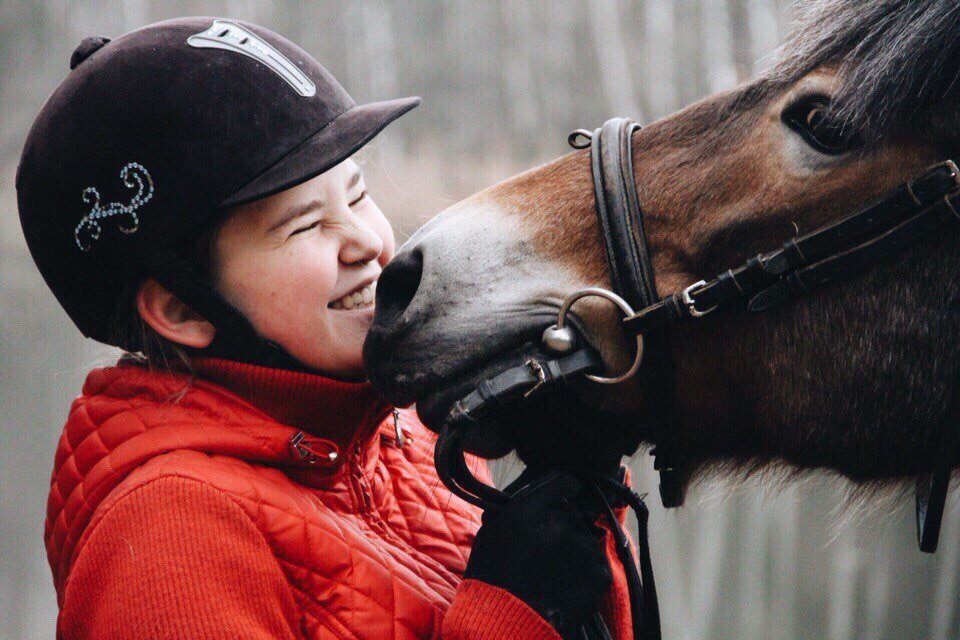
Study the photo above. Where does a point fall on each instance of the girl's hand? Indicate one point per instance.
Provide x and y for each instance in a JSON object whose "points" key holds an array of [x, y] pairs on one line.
{"points": [[544, 548]]}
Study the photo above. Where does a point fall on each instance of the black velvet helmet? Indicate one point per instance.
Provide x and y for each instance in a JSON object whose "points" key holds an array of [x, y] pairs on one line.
{"points": [[150, 135]]}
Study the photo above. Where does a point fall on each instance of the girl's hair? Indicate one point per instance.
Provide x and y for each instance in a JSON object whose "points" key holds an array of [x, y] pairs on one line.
{"points": [[140, 341]]}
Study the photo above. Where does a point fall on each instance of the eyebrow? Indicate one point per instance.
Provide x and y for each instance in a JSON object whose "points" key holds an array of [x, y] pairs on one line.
{"points": [[313, 205], [355, 178], [296, 212]]}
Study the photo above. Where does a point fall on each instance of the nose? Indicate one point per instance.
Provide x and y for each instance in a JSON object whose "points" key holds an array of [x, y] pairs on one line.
{"points": [[361, 245], [398, 285]]}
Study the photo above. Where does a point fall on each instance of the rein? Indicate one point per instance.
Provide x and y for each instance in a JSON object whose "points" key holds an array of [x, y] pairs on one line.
{"points": [[801, 265], [818, 258], [456, 476]]}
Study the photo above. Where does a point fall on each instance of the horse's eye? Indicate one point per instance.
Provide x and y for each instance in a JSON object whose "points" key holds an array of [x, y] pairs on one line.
{"points": [[812, 120]]}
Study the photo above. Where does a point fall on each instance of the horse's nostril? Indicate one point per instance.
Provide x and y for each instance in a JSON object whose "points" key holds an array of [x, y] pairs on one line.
{"points": [[398, 284]]}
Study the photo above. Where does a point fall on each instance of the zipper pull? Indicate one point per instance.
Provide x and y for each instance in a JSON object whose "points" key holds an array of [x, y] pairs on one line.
{"points": [[397, 431], [307, 449]]}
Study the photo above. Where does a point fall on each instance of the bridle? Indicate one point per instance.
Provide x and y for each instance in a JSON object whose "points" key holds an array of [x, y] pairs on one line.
{"points": [[799, 266]]}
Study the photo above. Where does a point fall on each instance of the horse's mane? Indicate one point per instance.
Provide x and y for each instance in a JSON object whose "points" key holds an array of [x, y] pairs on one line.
{"points": [[899, 61]]}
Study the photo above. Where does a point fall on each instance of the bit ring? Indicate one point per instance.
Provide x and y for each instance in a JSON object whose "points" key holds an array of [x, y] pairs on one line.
{"points": [[625, 309]]}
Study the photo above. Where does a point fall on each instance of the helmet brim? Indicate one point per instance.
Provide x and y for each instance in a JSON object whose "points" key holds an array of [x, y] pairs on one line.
{"points": [[325, 149]]}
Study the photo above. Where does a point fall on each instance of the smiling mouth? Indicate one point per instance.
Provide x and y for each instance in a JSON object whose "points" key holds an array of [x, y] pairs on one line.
{"points": [[360, 298]]}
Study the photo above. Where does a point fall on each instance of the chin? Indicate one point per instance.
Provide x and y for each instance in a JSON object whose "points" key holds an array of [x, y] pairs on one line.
{"points": [[341, 363]]}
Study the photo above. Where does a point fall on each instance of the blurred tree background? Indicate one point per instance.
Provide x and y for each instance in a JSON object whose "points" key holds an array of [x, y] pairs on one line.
{"points": [[503, 83]]}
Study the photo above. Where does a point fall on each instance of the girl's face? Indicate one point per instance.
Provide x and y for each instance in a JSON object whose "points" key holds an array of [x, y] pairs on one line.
{"points": [[302, 266]]}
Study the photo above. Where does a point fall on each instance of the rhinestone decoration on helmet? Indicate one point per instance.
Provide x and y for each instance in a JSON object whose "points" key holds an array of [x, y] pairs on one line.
{"points": [[88, 230]]}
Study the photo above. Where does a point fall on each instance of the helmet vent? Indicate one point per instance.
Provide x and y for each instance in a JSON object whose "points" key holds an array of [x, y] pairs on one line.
{"points": [[230, 36]]}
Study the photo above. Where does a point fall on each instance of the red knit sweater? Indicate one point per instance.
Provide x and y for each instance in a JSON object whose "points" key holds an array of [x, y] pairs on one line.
{"points": [[182, 510]]}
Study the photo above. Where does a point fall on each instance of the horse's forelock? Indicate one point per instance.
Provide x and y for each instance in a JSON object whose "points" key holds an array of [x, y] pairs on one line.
{"points": [[898, 61]]}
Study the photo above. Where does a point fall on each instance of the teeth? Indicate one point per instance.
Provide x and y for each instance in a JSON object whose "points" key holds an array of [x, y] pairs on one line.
{"points": [[362, 298]]}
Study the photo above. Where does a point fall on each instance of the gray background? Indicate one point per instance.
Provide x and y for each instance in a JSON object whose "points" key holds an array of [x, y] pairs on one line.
{"points": [[503, 83]]}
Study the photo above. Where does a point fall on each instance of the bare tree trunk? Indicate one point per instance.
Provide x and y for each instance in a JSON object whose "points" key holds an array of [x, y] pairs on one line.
{"points": [[712, 560], [521, 87], [765, 23], [688, 50], [946, 614], [784, 549], [614, 67], [740, 39], [378, 50], [716, 34], [877, 603], [751, 555], [843, 588], [658, 58]]}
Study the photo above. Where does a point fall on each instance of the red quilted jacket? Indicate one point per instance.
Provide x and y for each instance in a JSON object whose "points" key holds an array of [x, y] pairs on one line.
{"points": [[257, 503]]}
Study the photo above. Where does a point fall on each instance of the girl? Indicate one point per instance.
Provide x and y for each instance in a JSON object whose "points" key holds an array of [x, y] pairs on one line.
{"points": [[188, 195]]}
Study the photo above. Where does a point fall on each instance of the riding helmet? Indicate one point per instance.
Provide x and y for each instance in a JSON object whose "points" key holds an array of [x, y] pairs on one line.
{"points": [[155, 132]]}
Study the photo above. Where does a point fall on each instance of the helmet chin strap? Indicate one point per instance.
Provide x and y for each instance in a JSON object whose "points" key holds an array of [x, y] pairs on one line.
{"points": [[236, 339]]}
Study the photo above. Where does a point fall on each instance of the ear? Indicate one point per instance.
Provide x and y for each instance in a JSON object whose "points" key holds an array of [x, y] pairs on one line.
{"points": [[171, 318]]}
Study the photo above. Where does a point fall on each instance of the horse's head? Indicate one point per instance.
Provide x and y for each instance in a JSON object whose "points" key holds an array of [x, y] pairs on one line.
{"points": [[856, 377]]}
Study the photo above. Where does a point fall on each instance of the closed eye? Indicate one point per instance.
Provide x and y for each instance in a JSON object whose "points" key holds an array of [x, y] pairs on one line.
{"points": [[312, 225], [362, 195]]}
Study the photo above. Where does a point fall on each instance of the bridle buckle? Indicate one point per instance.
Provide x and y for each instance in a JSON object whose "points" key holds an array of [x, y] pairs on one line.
{"points": [[537, 369], [687, 296]]}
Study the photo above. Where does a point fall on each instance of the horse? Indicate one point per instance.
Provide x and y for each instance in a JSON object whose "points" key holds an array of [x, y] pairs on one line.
{"points": [[859, 377]]}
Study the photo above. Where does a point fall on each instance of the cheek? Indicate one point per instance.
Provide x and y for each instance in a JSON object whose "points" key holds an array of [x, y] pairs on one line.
{"points": [[284, 289]]}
